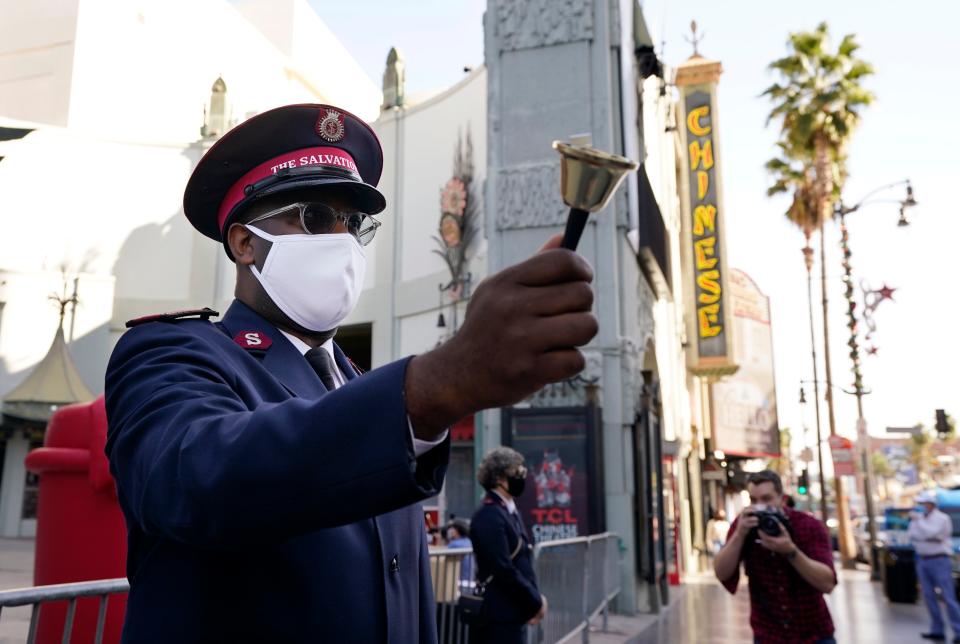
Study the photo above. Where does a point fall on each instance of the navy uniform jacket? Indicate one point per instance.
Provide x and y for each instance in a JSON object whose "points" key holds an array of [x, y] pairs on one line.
{"points": [[260, 508], [512, 596]]}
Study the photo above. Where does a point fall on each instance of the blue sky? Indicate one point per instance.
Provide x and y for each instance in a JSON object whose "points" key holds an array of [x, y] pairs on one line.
{"points": [[907, 133]]}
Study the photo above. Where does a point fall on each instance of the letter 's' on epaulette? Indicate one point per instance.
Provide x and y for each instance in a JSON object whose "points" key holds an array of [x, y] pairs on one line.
{"points": [[203, 314]]}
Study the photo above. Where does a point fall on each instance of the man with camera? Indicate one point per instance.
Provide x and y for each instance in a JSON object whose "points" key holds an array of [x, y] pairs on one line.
{"points": [[787, 557]]}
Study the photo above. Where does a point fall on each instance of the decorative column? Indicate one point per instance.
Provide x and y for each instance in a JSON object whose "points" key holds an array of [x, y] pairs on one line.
{"points": [[552, 70]]}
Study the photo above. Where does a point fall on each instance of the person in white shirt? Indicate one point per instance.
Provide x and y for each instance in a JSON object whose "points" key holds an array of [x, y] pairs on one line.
{"points": [[717, 529], [930, 532]]}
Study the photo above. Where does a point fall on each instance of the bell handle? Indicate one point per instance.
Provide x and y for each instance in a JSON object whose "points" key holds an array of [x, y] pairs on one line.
{"points": [[576, 221]]}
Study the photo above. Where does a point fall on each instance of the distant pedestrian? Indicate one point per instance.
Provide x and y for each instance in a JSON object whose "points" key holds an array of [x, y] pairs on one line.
{"points": [[458, 536], [717, 529], [786, 555], [504, 553], [930, 531]]}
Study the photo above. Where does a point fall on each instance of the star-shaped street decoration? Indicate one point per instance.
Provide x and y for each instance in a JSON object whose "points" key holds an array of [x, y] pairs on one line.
{"points": [[872, 351], [885, 292]]}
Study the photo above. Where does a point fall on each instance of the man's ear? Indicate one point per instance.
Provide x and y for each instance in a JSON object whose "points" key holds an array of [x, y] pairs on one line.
{"points": [[240, 241]]}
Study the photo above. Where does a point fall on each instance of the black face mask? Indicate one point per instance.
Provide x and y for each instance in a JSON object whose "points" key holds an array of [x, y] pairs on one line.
{"points": [[516, 484]]}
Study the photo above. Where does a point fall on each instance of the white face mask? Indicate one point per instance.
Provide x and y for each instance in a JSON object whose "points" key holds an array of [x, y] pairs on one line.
{"points": [[315, 279]]}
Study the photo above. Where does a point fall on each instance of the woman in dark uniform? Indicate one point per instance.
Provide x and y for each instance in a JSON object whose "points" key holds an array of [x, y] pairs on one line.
{"points": [[504, 553]]}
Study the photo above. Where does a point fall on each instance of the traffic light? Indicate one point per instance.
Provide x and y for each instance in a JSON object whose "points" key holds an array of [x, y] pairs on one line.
{"points": [[803, 486], [943, 428]]}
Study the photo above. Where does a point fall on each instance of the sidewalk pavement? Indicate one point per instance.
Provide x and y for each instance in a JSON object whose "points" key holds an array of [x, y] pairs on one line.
{"points": [[702, 612], [16, 571]]}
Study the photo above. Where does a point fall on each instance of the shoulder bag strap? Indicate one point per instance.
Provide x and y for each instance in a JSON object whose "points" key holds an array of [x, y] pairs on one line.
{"points": [[513, 555]]}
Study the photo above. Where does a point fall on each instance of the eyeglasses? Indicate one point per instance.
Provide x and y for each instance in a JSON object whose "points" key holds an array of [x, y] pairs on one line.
{"points": [[321, 219]]}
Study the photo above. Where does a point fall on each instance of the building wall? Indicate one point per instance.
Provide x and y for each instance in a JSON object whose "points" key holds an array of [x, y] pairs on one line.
{"points": [[661, 164], [403, 301], [552, 80], [141, 71], [318, 61], [137, 79], [36, 57]]}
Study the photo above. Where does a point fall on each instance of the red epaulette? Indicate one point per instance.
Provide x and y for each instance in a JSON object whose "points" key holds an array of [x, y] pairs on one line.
{"points": [[203, 314]]}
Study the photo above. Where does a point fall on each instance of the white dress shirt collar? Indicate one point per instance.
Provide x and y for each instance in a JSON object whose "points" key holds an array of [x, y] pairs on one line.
{"points": [[510, 503], [327, 346]]}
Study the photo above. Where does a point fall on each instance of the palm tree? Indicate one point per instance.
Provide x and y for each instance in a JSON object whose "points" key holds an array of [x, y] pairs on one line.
{"points": [[817, 101], [793, 176]]}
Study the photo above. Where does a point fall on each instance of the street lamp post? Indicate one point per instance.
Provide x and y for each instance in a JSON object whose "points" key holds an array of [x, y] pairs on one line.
{"points": [[858, 390], [844, 536]]}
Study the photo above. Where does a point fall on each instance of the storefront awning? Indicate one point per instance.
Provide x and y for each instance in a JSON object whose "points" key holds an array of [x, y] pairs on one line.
{"points": [[652, 238]]}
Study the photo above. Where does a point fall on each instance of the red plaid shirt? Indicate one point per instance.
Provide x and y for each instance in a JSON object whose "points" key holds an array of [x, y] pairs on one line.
{"points": [[784, 608]]}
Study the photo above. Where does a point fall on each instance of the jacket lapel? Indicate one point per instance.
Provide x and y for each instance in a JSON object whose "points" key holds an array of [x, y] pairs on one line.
{"points": [[280, 358], [346, 367], [515, 520]]}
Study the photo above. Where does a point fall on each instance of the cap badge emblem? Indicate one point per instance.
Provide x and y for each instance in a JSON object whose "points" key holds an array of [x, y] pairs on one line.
{"points": [[330, 125]]}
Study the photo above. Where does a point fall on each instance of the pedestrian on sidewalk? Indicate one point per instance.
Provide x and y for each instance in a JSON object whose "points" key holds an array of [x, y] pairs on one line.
{"points": [[458, 536], [717, 529], [929, 533], [511, 599], [786, 555]]}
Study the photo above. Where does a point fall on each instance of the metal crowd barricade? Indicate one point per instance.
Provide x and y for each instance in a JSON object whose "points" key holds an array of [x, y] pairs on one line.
{"points": [[39, 596], [580, 577], [451, 572]]}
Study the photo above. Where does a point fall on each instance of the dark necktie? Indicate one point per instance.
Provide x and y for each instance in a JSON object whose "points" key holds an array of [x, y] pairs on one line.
{"points": [[322, 363]]}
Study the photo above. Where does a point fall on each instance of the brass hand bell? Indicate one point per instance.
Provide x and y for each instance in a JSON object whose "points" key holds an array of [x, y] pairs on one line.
{"points": [[588, 178]]}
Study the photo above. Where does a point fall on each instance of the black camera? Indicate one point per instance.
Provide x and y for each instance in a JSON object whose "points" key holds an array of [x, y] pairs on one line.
{"points": [[769, 520]]}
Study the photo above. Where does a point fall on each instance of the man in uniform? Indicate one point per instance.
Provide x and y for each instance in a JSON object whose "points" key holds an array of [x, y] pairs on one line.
{"points": [[271, 493]]}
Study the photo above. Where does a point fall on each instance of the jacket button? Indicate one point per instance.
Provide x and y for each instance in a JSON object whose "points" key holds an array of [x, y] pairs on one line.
{"points": [[394, 564]]}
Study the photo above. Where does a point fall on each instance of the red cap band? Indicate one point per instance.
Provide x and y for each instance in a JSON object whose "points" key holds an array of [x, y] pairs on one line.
{"points": [[333, 157]]}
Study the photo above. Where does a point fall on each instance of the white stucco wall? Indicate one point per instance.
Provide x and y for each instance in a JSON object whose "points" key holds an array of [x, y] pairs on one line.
{"points": [[419, 142], [316, 54], [660, 164], [103, 207], [430, 135], [36, 56], [141, 71], [102, 195]]}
